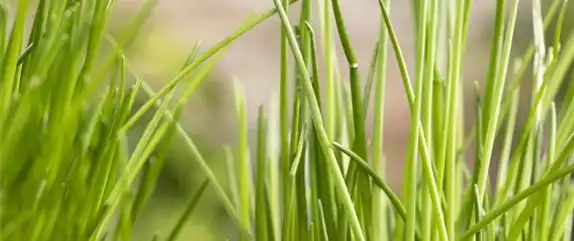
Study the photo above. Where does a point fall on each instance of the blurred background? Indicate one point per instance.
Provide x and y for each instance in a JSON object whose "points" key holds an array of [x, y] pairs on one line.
{"points": [[176, 25]]}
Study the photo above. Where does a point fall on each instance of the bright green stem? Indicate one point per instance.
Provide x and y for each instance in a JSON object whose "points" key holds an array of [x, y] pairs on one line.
{"points": [[495, 86], [284, 112], [359, 140], [319, 127], [188, 211], [540, 185], [8, 69], [379, 230], [411, 167], [261, 214]]}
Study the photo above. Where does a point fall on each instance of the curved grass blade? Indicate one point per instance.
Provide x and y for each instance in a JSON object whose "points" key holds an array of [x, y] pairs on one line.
{"points": [[299, 150], [535, 188], [153, 101], [394, 199], [198, 157]]}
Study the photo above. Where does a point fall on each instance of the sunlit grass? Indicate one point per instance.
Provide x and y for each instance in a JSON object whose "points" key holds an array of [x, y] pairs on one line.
{"points": [[67, 172], [440, 199]]}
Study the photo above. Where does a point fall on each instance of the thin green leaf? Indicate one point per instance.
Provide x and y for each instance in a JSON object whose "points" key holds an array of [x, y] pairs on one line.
{"points": [[188, 211]]}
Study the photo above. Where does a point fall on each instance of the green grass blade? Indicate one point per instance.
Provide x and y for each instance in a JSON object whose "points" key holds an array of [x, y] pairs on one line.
{"points": [[198, 157], [506, 148], [154, 166], [495, 85], [358, 117], [559, 27], [394, 199], [261, 212], [410, 190], [544, 211], [298, 154], [243, 160], [514, 200], [284, 112], [3, 29], [319, 127], [9, 73], [368, 89], [188, 211], [564, 212], [398, 53], [379, 230]]}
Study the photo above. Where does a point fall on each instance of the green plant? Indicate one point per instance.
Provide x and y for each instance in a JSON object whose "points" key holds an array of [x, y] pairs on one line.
{"points": [[67, 104], [65, 162], [66, 168], [330, 185]]}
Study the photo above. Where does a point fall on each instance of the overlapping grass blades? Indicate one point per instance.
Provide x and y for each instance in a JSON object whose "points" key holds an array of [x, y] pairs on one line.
{"points": [[67, 172]]}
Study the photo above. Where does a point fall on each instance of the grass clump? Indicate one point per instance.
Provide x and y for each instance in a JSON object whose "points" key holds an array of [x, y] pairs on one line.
{"points": [[66, 108]]}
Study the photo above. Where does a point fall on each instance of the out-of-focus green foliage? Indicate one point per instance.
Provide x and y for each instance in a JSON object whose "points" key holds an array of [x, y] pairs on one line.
{"points": [[159, 55]]}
